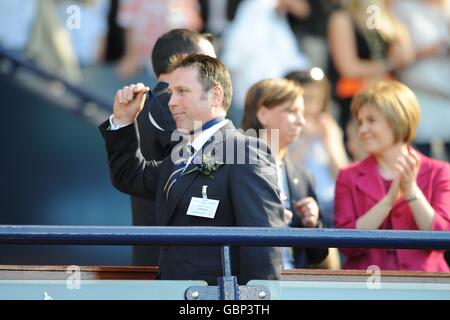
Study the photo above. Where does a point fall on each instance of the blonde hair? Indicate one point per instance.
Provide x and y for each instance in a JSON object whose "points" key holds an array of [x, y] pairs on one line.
{"points": [[396, 102], [269, 93], [387, 29]]}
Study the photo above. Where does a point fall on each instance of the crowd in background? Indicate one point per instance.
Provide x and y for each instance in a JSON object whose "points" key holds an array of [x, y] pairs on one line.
{"points": [[332, 48]]}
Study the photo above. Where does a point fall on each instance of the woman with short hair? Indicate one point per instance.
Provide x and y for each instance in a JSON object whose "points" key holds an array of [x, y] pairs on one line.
{"points": [[274, 108], [395, 187]]}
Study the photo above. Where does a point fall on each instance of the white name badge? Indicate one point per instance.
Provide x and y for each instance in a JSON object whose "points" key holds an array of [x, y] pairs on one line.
{"points": [[204, 208]]}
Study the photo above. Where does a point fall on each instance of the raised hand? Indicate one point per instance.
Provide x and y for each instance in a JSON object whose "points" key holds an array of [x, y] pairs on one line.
{"points": [[128, 103]]}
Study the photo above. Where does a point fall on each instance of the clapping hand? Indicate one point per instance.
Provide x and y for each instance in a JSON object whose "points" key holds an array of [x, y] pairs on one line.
{"points": [[408, 168], [404, 183], [128, 102]]}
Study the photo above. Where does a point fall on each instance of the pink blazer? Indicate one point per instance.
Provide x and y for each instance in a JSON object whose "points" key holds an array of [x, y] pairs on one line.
{"points": [[360, 186]]}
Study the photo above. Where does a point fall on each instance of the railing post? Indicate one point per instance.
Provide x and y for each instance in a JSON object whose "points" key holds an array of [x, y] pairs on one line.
{"points": [[228, 287]]}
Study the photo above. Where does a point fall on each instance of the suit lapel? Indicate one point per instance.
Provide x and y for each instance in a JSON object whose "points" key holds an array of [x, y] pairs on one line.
{"points": [[369, 180], [294, 186], [185, 181], [179, 189], [295, 183], [161, 203]]}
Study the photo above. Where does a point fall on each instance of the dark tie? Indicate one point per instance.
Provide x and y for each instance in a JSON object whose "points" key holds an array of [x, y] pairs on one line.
{"points": [[179, 165], [187, 151]]}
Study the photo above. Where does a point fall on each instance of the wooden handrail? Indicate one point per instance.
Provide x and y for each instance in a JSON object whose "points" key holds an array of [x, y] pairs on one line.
{"points": [[34, 272]]}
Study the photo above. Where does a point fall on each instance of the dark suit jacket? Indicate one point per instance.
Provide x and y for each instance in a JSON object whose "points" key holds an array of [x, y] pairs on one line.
{"points": [[248, 195], [300, 186], [155, 144]]}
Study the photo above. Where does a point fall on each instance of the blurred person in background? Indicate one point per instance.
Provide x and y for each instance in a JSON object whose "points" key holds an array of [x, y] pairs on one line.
{"points": [[277, 106], [395, 187], [428, 22], [311, 30], [144, 21], [320, 148], [50, 45], [86, 38], [367, 43], [133, 28], [16, 21], [112, 46], [260, 44], [214, 16]]}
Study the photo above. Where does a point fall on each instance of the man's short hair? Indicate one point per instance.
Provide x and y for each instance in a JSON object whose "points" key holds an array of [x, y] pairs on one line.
{"points": [[177, 41], [211, 73]]}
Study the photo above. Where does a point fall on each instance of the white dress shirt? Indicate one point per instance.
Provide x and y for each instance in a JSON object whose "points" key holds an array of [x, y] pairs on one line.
{"points": [[198, 142]]}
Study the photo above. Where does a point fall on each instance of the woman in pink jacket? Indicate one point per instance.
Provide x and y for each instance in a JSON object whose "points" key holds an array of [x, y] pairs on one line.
{"points": [[395, 187]]}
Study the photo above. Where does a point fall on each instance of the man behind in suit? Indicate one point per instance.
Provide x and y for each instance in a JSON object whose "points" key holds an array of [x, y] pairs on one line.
{"points": [[155, 123], [247, 193]]}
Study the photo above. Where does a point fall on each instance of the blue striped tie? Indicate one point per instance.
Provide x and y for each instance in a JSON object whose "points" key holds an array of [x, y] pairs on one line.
{"points": [[188, 151]]}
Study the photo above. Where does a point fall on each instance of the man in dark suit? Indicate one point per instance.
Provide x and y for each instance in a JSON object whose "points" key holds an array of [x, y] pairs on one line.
{"points": [[155, 123], [234, 174]]}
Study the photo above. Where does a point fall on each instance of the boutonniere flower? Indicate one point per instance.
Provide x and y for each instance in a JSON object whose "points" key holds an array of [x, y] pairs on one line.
{"points": [[206, 164]]}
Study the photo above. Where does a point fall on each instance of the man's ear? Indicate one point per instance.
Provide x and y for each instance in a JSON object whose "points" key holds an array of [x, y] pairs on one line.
{"points": [[217, 96], [262, 115]]}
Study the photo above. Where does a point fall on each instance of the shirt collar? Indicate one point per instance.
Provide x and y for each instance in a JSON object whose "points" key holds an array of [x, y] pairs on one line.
{"points": [[203, 137]]}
